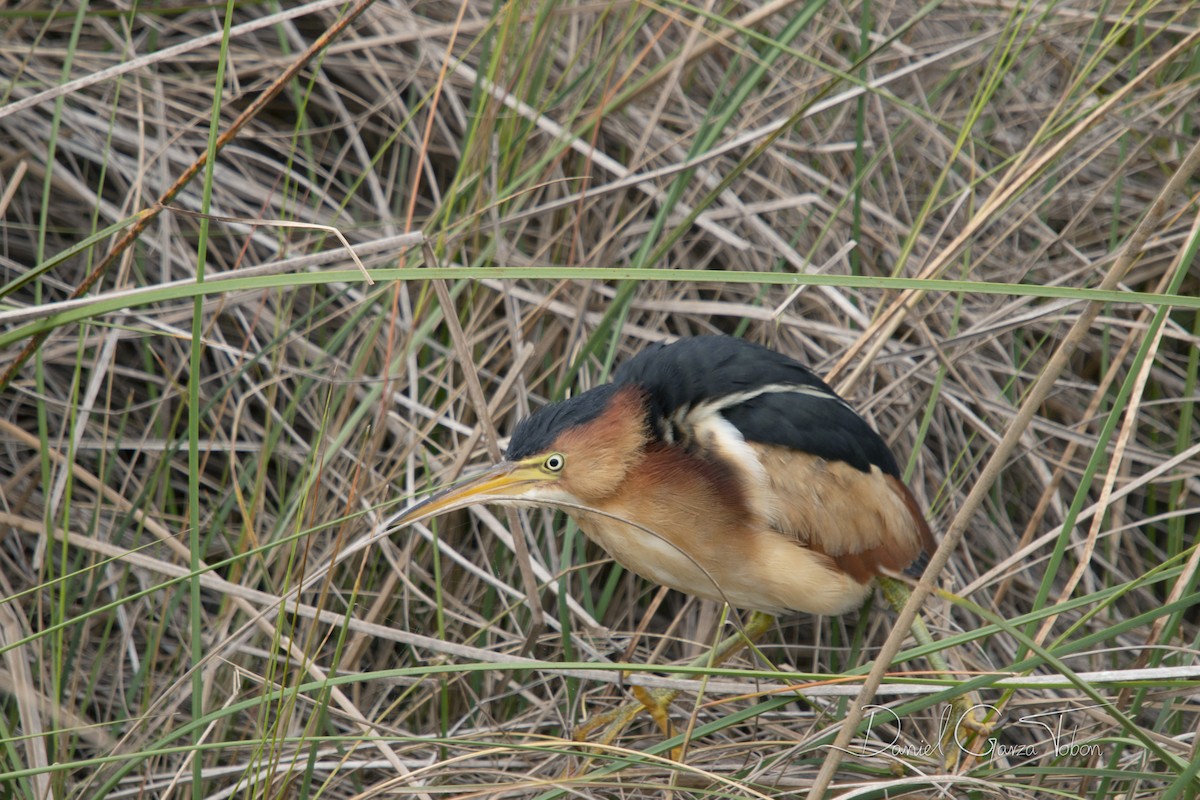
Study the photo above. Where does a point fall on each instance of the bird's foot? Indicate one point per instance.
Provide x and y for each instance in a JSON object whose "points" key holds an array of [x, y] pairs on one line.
{"points": [[611, 723], [658, 701], [968, 727]]}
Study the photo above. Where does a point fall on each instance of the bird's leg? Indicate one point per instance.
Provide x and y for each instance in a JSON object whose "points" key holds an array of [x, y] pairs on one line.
{"points": [[964, 708], [658, 701]]}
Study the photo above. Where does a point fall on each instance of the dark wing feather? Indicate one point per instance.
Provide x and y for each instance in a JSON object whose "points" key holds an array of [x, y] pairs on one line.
{"points": [[822, 427], [691, 372], [700, 369]]}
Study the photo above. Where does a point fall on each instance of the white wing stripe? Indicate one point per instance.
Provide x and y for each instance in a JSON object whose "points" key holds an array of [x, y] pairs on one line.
{"points": [[731, 400]]}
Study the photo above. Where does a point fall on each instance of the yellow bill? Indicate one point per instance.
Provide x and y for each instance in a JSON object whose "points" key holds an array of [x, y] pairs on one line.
{"points": [[507, 481]]}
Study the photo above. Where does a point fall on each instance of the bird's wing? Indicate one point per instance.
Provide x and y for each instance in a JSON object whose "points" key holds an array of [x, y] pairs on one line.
{"points": [[866, 522], [816, 470], [768, 397], [811, 421]]}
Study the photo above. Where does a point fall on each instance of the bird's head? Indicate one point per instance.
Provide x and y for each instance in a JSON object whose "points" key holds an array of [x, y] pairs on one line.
{"points": [[576, 452]]}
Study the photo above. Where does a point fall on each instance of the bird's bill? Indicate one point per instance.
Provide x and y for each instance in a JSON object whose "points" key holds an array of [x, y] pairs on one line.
{"points": [[505, 481]]}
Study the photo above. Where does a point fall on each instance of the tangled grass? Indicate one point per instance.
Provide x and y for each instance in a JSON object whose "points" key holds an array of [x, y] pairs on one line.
{"points": [[978, 220]]}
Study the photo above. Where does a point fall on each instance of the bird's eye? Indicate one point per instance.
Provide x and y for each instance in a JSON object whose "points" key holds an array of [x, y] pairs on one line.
{"points": [[554, 462]]}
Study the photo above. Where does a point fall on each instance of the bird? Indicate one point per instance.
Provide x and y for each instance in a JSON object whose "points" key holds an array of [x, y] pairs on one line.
{"points": [[725, 470]]}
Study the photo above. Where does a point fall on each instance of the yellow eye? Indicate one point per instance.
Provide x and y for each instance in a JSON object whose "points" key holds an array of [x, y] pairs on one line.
{"points": [[554, 462]]}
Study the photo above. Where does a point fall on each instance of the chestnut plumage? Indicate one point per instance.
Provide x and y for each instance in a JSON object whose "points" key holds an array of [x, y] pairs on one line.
{"points": [[722, 469]]}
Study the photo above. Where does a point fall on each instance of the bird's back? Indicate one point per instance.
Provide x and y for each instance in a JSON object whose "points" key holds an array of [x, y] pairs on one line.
{"points": [[770, 398]]}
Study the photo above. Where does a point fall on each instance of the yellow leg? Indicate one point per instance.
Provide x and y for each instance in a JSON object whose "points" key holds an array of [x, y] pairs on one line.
{"points": [[658, 701], [965, 722]]}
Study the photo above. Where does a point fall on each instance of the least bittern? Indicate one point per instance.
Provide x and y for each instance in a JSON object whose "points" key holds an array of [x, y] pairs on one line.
{"points": [[722, 469]]}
